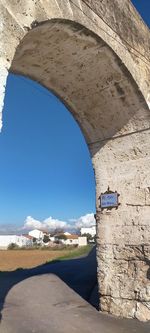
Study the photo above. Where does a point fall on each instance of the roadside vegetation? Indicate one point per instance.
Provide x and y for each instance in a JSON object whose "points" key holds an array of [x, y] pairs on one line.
{"points": [[74, 253]]}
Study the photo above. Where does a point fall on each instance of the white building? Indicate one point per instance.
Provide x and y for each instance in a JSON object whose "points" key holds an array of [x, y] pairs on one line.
{"points": [[6, 240], [52, 239], [82, 241], [71, 239], [38, 234], [90, 230]]}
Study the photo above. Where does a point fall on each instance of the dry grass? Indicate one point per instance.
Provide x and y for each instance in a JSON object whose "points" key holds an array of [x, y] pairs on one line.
{"points": [[11, 260]]}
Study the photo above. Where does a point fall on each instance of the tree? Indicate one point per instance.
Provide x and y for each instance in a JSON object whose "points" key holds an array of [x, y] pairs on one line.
{"points": [[13, 246], [46, 239], [34, 240], [57, 231], [61, 236], [89, 237]]}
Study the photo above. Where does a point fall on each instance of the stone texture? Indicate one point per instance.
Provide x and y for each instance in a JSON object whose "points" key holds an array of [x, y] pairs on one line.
{"points": [[118, 306], [143, 311], [94, 55]]}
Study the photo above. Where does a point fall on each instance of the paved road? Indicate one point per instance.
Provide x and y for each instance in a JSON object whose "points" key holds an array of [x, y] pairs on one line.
{"points": [[53, 299]]}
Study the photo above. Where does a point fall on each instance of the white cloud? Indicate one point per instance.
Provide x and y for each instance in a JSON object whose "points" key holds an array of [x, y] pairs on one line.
{"points": [[49, 223], [52, 224], [30, 223], [85, 221]]}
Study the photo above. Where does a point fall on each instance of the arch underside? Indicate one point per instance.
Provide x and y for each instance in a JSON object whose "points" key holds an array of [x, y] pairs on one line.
{"points": [[86, 74]]}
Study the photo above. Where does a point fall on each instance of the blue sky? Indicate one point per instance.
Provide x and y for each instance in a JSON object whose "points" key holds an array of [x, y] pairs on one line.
{"points": [[45, 167], [46, 175], [143, 7]]}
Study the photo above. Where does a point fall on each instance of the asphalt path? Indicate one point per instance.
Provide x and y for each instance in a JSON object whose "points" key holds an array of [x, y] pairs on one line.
{"points": [[54, 298]]}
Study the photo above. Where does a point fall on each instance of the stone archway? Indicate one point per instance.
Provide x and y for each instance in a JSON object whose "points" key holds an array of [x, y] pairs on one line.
{"points": [[104, 83]]}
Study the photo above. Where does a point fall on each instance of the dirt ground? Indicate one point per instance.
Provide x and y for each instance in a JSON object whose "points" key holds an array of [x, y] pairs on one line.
{"points": [[13, 259]]}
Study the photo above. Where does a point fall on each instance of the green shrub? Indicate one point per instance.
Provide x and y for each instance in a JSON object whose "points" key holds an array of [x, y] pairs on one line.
{"points": [[13, 246]]}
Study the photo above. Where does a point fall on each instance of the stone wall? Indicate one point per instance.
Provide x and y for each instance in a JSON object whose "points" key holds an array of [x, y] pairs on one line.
{"points": [[123, 235]]}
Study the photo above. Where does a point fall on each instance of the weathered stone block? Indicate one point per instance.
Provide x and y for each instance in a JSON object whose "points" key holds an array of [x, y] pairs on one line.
{"points": [[143, 311], [118, 306]]}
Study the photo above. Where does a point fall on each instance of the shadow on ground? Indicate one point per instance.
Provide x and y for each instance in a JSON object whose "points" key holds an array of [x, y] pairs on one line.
{"points": [[79, 274]]}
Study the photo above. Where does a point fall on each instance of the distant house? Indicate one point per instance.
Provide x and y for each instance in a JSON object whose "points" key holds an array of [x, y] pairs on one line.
{"points": [[52, 238], [82, 241], [29, 238], [90, 230], [6, 240], [38, 234], [71, 239]]}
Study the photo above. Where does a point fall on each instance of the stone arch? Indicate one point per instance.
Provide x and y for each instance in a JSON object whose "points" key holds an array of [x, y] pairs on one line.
{"points": [[102, 86]]}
